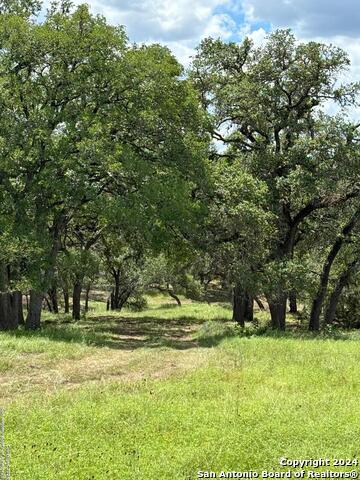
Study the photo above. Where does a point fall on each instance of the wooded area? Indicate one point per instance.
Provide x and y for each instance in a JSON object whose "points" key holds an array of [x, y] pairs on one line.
{"points": [[122, 171]]}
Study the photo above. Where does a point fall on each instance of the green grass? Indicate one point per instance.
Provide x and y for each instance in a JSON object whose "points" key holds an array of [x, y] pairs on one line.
{"points": [[253, 398]]}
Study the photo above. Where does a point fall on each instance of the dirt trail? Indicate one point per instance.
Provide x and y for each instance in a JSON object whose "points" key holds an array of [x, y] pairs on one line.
{"points": [[131, 355]]}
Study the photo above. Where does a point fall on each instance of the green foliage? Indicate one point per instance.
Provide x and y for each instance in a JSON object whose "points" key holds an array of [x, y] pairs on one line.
{"points": [[169, 274], [348, 309], [74, 262], [24, 8], [95, 135], [106, 157], [137, 303], [265, 105]]}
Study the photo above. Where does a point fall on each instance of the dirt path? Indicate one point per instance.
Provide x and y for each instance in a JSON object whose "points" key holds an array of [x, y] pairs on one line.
{"points": [[135, 349]]}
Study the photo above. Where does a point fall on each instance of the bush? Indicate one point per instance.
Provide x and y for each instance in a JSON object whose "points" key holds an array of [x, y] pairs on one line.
{"points": [[137, 303], [348, 309]]}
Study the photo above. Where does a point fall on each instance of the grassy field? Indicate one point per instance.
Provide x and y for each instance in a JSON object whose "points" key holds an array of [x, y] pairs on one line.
{"points": [[168, 392]]}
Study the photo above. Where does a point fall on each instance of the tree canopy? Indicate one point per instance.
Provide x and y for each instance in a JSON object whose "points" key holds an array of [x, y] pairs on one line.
{"points": [[117, 164]]}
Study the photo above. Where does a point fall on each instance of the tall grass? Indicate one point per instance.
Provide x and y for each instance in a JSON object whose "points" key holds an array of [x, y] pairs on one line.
{"points": [[255, 398]]}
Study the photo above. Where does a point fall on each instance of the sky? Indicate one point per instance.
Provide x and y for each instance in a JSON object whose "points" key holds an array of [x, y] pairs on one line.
{"points": [[181, 24]]}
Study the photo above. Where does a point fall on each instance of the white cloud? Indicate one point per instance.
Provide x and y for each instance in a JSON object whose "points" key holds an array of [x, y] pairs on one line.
{"points": [[323, 20], [327, 21], [220, 25], [165, 20], [178, 24], [257, 36], [182, 24], [326, 18]]}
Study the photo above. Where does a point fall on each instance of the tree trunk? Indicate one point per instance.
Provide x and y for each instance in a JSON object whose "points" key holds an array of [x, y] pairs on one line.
{"points": [[11, 310], [293, 302], [239, 305], [124, 296], [117, 290], [118, 296], [115, 293], [249, 308], [243, 306], [314, 324], [112, 301], [53, 299], [46, 277], [87, 292], [66, 301], [259, 302], [173, 295], [33, 318], [34, 313], [277, 308], [76, 311], [335, 296], [48, 304], [18, 307], [8, 318]]}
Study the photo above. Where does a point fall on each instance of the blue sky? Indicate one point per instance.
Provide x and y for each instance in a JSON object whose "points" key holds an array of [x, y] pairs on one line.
{"points": [[181, 24]]}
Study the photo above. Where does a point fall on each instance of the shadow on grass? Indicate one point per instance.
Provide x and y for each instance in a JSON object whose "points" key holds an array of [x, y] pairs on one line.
{"points": [[181, 333], [126, 333]]}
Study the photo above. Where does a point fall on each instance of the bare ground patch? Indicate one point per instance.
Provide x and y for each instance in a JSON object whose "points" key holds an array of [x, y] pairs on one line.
{"points": [[135, 349], [103, 366]]}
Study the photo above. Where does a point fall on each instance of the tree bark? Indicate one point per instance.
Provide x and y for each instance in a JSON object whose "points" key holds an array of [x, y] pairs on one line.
{"points": [[112, 301], [173, 295], [36, 298], [277, 308], [33, 319], [238, 306], [314, 324], [335, 296], [76, 309], [18, 307], [259, 302], [116, 300], [53, 299], [118, 296], [124, 296], [243, 306], [293, 302], [249, 308], [34, 312], [8, 319], [48, 304], [66, 301], [87, 292], [115, 293]]}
